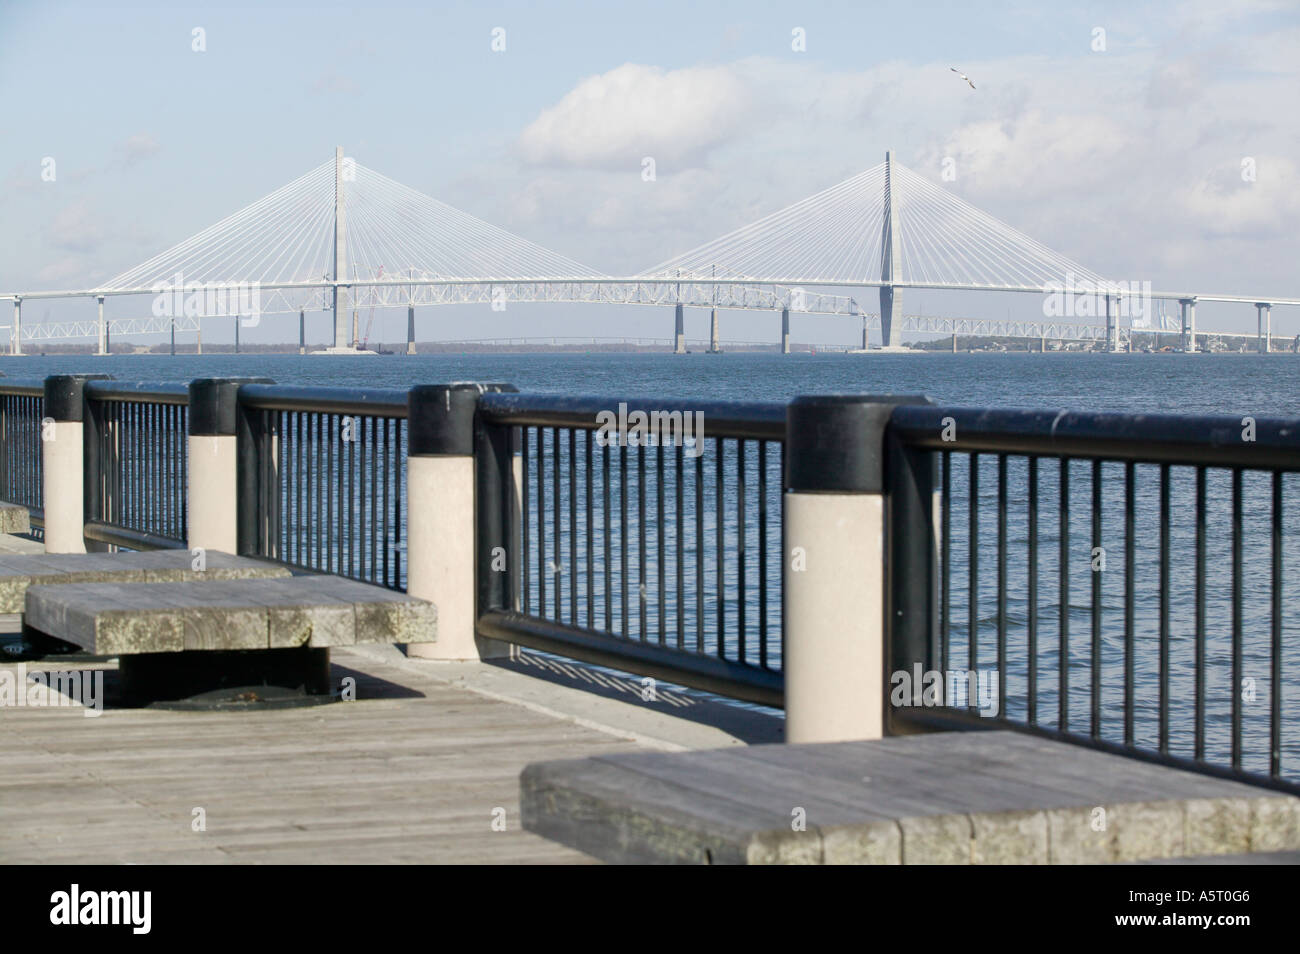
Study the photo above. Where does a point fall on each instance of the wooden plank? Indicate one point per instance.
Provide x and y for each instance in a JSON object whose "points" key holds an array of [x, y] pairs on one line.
{"points": [[20, 571], [953, 798], [409, 773]]}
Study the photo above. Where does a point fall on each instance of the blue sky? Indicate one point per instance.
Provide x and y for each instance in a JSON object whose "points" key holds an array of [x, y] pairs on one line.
{"points": [[1125, 159]]}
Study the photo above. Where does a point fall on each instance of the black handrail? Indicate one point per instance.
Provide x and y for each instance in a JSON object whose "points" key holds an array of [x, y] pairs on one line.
{"points": [[1195, 440], [750, 420], [379, 402], [134, 393]]}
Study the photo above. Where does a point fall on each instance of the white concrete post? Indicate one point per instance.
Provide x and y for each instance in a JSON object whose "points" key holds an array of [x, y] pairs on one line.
{"points": [[785, 330], [63, 463], [713, 332], [836, 552], [212, 494], [16, 342], [679, 331], [442, 521]]}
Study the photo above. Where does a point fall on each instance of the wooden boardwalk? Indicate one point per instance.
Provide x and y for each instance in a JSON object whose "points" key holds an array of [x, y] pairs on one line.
{"points": [[413, 771]]}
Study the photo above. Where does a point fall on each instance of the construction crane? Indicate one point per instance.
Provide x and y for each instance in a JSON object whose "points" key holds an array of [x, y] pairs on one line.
{"points": [[370, 322]]}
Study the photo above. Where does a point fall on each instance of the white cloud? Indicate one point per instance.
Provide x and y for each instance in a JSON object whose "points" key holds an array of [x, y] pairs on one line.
{"points": [[138, 147], [76, 228], [1225, 204], [617, 118]]}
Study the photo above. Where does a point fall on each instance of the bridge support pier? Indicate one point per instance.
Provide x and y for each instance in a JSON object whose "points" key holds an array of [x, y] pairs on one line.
{"points": [[103, 328], [1187, 307], [410, 329], [954, 342], [173, 337], [865, 337], [1112, 328], [1264, 316], [1042, 343], [679, 331], [302, 331], [236, 334], [785, 330], [891, 317], [16, 342], [713, 332]]}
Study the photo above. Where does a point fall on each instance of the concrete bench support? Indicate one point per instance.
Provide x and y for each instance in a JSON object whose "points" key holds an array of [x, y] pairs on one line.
{"points": [[14, 518]]}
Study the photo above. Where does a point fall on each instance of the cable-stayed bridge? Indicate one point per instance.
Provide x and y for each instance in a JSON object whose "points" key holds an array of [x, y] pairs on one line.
{"points": [[344, 238]]}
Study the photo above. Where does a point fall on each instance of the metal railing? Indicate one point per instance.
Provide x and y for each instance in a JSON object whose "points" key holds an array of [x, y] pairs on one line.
{"points": [[22, 408], [1123, 575], [326, 479], [661, 556], [135, 465]]}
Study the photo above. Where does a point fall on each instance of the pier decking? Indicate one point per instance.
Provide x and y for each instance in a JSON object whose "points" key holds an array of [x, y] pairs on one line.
{"points": [[412, 771]]}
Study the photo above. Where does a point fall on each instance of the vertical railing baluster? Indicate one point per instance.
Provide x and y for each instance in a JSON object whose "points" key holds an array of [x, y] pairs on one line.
{"points": [[1164, 609], [557, 511], [1063, 589], [1002, 583], [699, 549], [1199, 744], [1236, 615], [1130, 555], [1094, 656], [573, 527], [1275, 644], [973, 563], [762, 554], [1031, 593]]}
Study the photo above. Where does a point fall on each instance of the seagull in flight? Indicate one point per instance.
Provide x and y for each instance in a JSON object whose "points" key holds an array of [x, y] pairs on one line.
{"points": [[962, 75]]}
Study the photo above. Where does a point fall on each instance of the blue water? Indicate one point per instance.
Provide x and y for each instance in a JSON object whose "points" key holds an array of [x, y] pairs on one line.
{"points": [[1238, 385], [1232, 384]]}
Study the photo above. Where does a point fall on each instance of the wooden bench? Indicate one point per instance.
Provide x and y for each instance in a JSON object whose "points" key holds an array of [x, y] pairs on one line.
{"points": [[14, 518], [940, 798], [111, 619], [20, 571]]}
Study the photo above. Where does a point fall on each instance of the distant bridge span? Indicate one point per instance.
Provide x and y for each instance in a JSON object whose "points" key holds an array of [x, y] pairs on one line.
{"points": [[343, 237]]}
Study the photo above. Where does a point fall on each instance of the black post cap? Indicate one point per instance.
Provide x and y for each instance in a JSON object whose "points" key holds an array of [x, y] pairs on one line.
{"points": [[440, 417], [835, 442], [214, 405], [65, 395]]}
